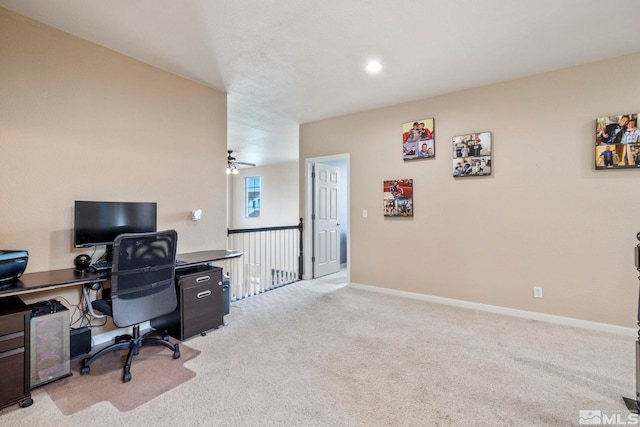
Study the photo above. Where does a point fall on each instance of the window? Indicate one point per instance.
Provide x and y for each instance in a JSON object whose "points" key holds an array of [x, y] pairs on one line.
{"points": [[252, 197]]}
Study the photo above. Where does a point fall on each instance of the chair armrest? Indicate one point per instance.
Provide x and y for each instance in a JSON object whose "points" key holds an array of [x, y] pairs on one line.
{"points": [[87, 300]]}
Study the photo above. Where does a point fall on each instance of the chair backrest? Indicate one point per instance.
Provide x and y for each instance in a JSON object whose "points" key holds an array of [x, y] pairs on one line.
{"points": [[143, 276]]}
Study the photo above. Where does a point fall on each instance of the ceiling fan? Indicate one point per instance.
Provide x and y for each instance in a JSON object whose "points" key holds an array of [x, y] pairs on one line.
{"points": [[232, 162]]}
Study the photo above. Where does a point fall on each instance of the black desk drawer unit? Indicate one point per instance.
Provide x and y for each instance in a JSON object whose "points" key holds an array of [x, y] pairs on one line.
{"points": [[15, 384], [200, 303]]}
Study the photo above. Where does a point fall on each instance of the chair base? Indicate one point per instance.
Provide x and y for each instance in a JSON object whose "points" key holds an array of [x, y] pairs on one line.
{"points": [[133, 343]]}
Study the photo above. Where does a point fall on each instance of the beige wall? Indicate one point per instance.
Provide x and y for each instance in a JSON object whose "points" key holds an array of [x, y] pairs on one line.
{"points": [[544, 218], [81, 122], [279, 196]]}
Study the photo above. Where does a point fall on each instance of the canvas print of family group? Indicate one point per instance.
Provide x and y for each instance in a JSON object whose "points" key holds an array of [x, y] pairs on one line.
{"points": [[617, 142], [418, 139], [398, 197], [472, 154]]}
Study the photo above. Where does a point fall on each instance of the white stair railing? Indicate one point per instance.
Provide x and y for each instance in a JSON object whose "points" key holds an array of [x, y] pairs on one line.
{"points": [[272, 257]]}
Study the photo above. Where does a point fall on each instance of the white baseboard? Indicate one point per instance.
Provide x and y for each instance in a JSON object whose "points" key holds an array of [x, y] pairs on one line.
{"points": [[550, 318]]}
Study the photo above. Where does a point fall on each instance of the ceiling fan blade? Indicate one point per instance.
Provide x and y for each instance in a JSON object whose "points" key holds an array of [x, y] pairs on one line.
{"points": [[232, 160], [244, 163]]}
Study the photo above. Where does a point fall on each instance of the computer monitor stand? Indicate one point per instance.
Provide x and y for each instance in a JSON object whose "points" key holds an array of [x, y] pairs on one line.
{"points": [[108, 254]]}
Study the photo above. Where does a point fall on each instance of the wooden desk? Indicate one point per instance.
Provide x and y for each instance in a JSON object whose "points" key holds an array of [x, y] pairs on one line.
{"points": [[53, 279]]}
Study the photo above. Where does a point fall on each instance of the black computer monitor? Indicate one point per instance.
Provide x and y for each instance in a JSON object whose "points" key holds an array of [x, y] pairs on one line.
{"points": [[98, 223]]}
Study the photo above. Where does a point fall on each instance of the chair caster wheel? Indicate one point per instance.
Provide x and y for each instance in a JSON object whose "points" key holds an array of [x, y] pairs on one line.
{"points": [[126, 377], [26, 403], [84, 370], [176, 352], [203, 334]]}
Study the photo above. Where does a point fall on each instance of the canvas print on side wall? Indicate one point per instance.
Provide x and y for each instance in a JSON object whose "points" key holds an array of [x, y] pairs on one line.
{"points": [[472, 154], [398, 197], [617, 142], [418, 139]]}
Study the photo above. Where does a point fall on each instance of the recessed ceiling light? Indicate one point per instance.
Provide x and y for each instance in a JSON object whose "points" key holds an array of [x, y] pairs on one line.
{"points": [[373, 67]]}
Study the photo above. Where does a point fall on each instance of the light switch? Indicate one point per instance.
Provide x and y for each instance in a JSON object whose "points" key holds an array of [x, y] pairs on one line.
{"points": [[364, 213]]}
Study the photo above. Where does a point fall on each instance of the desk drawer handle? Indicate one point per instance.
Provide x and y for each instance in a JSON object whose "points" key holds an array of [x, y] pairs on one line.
{"points": [[204, 294], [11, 352], [12, 336], [203, 279]]}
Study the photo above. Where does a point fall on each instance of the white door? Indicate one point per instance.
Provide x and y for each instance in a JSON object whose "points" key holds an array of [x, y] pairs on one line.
{"points": [[326, 228]]}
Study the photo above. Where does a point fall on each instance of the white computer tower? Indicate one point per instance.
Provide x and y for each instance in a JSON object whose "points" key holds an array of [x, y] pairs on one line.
{"points": [[49, 342]]}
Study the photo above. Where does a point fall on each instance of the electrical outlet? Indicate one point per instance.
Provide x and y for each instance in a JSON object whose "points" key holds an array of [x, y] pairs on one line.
{"points": [[537, 291]]}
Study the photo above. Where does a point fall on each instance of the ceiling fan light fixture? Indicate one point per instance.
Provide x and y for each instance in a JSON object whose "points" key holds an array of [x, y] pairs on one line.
{"points": [[235, 171]]}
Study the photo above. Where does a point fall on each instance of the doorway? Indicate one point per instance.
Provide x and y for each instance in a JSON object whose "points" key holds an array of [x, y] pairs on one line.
{"points": [[341, 162]]}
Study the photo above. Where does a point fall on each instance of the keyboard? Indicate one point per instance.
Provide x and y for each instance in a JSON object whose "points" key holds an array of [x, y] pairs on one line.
{"points": [[101, 266]]}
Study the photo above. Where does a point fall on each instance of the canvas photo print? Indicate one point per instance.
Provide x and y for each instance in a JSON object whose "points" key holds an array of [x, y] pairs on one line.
{"points": [[617, 142], [398, 197], [472, 155], [418, 139]]}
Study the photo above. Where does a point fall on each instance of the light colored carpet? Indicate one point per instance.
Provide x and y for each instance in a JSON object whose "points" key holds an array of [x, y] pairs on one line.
{"points": [[318, 353], [154, 367]]}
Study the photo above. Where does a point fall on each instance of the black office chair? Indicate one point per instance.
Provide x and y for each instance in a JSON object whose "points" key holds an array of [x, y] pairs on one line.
{"points": [[142, 288]]}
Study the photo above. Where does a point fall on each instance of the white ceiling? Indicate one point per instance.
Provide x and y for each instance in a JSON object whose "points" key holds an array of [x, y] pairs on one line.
{"points": [[288, 62]]}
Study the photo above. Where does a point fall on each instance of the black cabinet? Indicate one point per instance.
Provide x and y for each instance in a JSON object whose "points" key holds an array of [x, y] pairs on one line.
{"points": [[200, 303], [15, 384]]}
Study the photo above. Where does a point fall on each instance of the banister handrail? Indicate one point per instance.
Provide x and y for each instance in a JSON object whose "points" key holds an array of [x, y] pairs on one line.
{"points": [[259, 229]]}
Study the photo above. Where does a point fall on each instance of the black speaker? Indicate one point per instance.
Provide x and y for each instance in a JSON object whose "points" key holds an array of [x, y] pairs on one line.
{"points": [[79, 342], [82, 262]]}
